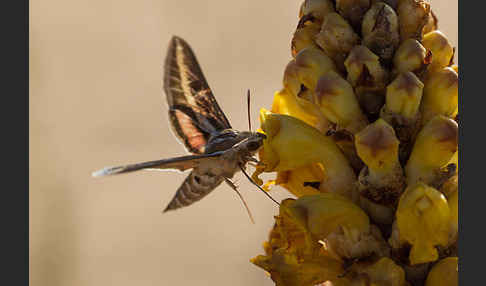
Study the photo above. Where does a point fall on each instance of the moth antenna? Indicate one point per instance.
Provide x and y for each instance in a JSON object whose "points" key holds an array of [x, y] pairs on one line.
{"points": [[235, 187], [260, 188], [248, 104]]}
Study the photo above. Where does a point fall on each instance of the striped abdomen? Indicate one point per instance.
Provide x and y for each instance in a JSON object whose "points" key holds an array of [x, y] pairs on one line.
{"points": [[195, 187]]}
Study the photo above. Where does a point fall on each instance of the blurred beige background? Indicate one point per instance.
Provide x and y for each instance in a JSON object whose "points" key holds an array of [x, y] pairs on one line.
{"points": [[96, 99]]}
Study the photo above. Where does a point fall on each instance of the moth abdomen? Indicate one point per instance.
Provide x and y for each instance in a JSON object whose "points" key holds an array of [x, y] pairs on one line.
{"points": [[195, 187]]}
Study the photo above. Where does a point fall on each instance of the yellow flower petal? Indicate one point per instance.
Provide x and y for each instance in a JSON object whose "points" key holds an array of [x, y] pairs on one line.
{"points": [[292, 144], [286, 103], [423, 219], [294, 180], [336, 221], [325, 213]]}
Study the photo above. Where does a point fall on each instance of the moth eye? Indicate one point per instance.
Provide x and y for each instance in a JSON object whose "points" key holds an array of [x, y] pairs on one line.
{"points": [[252, 146]]}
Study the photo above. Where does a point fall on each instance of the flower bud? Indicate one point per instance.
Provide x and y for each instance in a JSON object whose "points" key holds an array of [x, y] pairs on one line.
{"points": [[411, 56], [353, 10], [431, 24], [377, 146], [293, 85], [304, 37], [367, 77], [381, 181], [315, 10], [434, 147], [413, 16], [336, 38], [291, 82], [441, 48], [312, 63], [403, 96], [423, 220], [338, 103], [380, 30], [440, 94], [364, 68], [444, 273]]}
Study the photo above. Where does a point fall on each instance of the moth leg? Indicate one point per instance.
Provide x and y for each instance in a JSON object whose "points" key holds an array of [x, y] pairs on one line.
{"points": [[253, 164], [242, 168], [252, 161], [231, 184], [235, 188]]}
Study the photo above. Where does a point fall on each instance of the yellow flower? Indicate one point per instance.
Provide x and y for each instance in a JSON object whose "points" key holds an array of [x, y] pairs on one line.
{"points": [[434, 148], [293, 144], [423, 220], [289, 104], [311, 238], [442, 50]]}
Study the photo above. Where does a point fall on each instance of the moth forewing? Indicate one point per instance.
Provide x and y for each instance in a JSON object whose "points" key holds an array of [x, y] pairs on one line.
{"points": [[194, 113], [181, 163]]}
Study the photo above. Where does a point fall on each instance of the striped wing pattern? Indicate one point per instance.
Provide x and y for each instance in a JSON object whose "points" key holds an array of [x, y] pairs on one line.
{"points": [[193, 111]]}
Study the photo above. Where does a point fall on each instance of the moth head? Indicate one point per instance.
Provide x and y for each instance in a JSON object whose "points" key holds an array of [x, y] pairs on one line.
{"points": [[255, 141]]}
